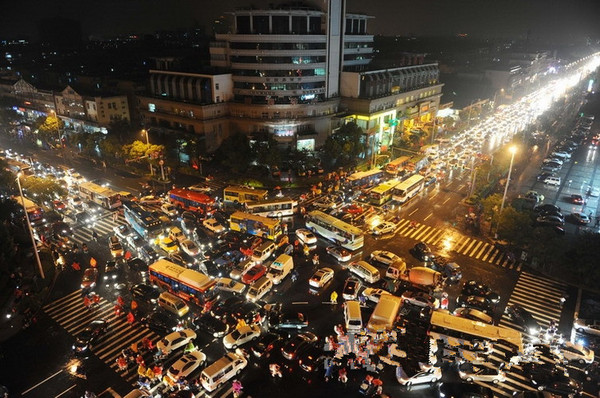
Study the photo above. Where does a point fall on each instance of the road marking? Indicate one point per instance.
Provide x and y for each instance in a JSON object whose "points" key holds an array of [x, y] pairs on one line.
{"points": [[299, 302], [472, 253], [66, 391], [422, 233], [463, 244], [434, 195], [41, 382], [468, 248], [484, 247], [413, 212], [484, 258], [435, 239], [444, 202], [430, 214]]}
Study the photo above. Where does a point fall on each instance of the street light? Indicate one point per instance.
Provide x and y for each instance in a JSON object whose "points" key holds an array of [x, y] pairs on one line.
{"points": [[35, 250], [512, 151], [57, 128], [144, 131]]}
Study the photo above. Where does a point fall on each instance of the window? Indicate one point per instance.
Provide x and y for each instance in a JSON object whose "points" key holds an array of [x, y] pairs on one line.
{"points": [[216, 86]]}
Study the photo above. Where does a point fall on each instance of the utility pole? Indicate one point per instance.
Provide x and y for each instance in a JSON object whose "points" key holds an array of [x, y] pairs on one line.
{"points": [[35, 249]]}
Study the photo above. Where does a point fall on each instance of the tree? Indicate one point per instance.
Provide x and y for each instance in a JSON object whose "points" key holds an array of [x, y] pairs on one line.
{"points": [[138, 150], [267, 152], [515, 227], [120, 129], [235, 153], [111, 147], [7, 179], [49, 130], [491, 205], [42, 189], [346, 145]]}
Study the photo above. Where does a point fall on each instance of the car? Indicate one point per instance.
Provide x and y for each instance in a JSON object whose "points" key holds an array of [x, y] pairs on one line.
{"points": [[483, 373], [297, 343], [552, 181], [254, 273], [306, 236], [580, 218], [189, 222], [240, 336], [89, 336], [209, 324], [169, 209], [422, 252], [134, 242], [190, 248], [383, 228], [553, 160], [551, 378], [213, 226], [230, 285], [90, 277], [373, 294], [420, 299], [477, 302], [587, 326], [547, 207], [76, 202], [550, 220], [114, 245], [143, 292], [428, 374], [147, 253], [310, 357], [523, 319], [265, 344], [138, 265], [465, 390], [353, 209], [59, 205], [339, 253], [430, 180], [542, 176], [123, 231], [474, 315], [222, 308], [535, 196], [384, 257], [167, 244], [287, 320], [200, 188], [450, 270], [351, 288], [324, 203], [150, 200], [474, 288], [183, 368], [565, 387], [61, 228], [576, 353], [111, 272], [321, 277], [175, 340], [577, 199], [240, 268]]}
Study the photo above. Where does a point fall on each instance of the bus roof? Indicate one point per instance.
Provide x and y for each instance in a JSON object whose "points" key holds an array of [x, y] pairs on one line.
{"points": [[363, 174], [270, 201], [410, 181], [193, 195], [98, 189], [464, 325], [269, 222], [351, 229], [385, 186], [399, 161], [190, 277], [237, 188]]}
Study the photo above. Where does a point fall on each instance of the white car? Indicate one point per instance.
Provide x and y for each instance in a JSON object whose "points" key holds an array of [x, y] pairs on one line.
{"points": [[175, 340], [385, 257], [213, 225], [321, 277], [384, 228], [483, 373], [240, 336], [169, 209], [324, 203], [306, 236], [150, 200], [190, 248], [76, 202], [339, 253], [429, 375], [230, 285], [577, 353], [184, 367], [373, 294], [588, 326], [200, 188]]}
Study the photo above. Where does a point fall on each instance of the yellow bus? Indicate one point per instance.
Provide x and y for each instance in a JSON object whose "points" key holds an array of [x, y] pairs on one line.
{"points": [[397, 165], [268, 228], [335, 230], [383, 192], [457, 331], [238, 194], [183, 282]]}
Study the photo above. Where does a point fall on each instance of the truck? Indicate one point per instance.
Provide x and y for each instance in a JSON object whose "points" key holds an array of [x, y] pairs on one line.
{"points": [[385, 313], [395, 270], [422, 276]]}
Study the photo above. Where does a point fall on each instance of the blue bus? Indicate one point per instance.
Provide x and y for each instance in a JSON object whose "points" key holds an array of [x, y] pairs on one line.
{"points": [[142, 221]]}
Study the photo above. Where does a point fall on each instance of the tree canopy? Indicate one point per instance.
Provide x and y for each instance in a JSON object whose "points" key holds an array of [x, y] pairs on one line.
{"points": [[42, 189], [346, 145], [235, 153]]}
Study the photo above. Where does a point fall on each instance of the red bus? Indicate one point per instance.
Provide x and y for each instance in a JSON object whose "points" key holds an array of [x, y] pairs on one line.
{"points": [[192, 200]]}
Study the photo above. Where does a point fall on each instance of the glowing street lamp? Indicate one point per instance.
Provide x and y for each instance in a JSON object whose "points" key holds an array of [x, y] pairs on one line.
{"points": [[144, 131], [512, 150]]}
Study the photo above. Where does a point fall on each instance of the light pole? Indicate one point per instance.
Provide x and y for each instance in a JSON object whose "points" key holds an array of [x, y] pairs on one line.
{"points": [[512, 150], [35, 250], [144, 131]]}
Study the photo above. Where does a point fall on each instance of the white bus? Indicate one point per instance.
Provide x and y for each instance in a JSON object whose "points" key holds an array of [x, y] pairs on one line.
{"points": [[397, 165], [104, 196], [338, 231], [408, 188], [365, 178], [277, 207]]}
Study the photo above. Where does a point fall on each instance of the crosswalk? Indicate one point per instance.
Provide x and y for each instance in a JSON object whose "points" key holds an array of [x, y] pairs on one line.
{"points": [[70, 312], [453, 241]]}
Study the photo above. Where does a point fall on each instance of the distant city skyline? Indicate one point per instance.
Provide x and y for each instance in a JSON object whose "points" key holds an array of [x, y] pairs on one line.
{"points": [[557, 21]]}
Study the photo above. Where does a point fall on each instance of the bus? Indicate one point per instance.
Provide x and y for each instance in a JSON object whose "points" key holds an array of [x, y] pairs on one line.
{"points": [[35, 213], [383, 192], [462, 332], [192, 200], [142, 221], [336, 230], [253, 224], [238, 194], [104, 196], [278, 207], [365, 178], [397, 165], [186, 283], [408, 188]]}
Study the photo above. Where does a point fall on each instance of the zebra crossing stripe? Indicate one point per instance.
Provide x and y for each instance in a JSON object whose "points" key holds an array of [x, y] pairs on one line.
{"points": [[470, 252], [130, 335], [56, 303], [433, 231], [494, 389], [401, 225], [547, 285], [543, 278], [423, 232], [486, 255], [483, 248], [496, 255], [464, 244], [518, 384], [416, 231], [437, 237]]}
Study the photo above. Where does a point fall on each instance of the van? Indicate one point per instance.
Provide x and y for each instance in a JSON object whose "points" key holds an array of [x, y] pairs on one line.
{"points": [[365, 271], [137, 393], [552, 181], [280, 268], [259, 288], [176, 235], [222, 370], [263, 252], [385, 313], [173, 304], [353, 316]]}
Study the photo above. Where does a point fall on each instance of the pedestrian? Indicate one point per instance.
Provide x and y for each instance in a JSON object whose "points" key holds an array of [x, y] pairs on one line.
{"points": [[139, 359], [306, 250], [87, 302], [597, 221], [96, 299], [334, 297], [316, 259], [134, 305], [95, 236], [118, 310], [120, 301], [122, 363], [130, 318]]}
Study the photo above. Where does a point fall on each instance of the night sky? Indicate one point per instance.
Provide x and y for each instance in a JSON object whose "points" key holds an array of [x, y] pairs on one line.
{"points": [[546, 20]]}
